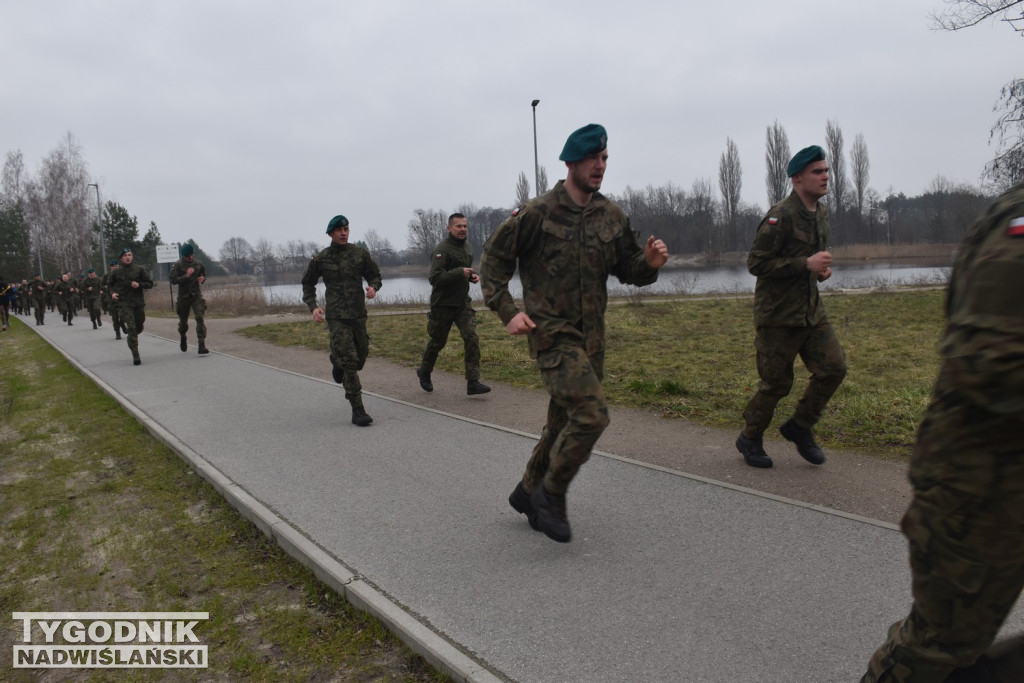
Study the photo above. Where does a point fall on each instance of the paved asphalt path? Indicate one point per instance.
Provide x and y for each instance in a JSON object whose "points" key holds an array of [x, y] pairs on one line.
{"points": [[669, 577]]}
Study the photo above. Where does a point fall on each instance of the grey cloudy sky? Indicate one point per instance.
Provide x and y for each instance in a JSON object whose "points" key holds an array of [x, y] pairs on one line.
{"points": [[263, 119]]}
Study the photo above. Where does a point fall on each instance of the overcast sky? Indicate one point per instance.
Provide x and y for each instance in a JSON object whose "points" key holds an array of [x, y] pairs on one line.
{"points": [[264, 119]]}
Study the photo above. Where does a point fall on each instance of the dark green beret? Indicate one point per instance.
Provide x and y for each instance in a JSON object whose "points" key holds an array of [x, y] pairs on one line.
{"points": [[338, 221], [590, 139], [126, 250], [91, 270], [114, 262], [187, 249], [803, 157]]}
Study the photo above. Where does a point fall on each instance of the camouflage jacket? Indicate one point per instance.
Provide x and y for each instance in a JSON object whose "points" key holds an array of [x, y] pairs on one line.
{"points": [[38, 289], [188, 287], [450, 286], [786, 293], [120, 283], [64, 289], [565, 254], [983, 347], [90, 287], [343, 269]]}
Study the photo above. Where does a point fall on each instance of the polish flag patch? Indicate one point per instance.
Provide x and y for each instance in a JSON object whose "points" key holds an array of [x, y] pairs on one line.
{"points": [[773, 221], [1016, 228]]}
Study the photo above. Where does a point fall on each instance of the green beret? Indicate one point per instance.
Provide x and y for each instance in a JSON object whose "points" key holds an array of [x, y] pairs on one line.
{"points": [[187, 249], [90, 270], [589, 139], [114, 262], [338, 221], [803, 157], [126, 250]]}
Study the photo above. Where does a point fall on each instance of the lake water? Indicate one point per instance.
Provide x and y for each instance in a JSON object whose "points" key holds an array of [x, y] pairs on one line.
{"points": [[718, 280]]}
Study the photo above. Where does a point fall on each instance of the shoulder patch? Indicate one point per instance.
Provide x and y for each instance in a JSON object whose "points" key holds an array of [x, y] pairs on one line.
{"points": [[1016, 228], [773, 221], [515, 211], [438, 255]]}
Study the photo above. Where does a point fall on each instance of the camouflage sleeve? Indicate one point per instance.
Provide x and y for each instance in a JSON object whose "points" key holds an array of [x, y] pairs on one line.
{"points": [[497, 266], [177, 274], [371, 272], [632, 268], [309, 280], [766, 253], [145, 281], [983, 350]]}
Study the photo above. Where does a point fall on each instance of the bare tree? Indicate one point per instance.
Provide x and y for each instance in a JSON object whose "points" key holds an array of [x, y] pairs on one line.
{"points": [[263, 256], [522, 189], [837, 185], [381, 249], [12, 188], [730, 181], [429, 228], [701, 211], [860, 168], [542, 181], [236, 254], [56, 207], [966, 13], [776, 158], [1007, 168]]}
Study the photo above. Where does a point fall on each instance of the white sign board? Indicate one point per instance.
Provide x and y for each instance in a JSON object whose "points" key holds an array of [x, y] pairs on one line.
{"points": [[167, 253]]}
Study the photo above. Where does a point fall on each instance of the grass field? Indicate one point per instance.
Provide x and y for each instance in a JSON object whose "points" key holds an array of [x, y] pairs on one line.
{"points": [[98, 516], [694, 359]]}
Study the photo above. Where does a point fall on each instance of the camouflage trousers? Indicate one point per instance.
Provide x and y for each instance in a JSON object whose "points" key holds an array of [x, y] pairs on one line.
{"points": [[350, 345], [93, 306], [39, 305], [777, 349], [197, 306], [439, 324], [965, 527], [577, 416], [134, 319]]}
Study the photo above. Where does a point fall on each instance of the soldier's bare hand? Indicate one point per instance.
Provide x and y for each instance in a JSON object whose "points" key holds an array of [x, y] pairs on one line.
{"points": [[202, 279], [820, 262], [188, 273], [370, 292], [655, 252], [520, 324], [318, 315], [826, 274]]}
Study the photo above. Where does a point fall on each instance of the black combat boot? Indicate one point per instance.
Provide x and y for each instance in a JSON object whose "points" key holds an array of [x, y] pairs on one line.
{"points": [[338, 375], [425, 383], [804, 440], [94, 324], [99, 322], [551, 514], [360, 418], [753, 452], [520, 502], [202, 348], [135, 358], [117, 333], [474, 387], [184, 344]]}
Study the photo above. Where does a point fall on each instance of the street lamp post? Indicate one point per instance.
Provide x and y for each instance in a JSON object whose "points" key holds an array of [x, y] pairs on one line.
{"points": [[536, 166], [99, 224]]}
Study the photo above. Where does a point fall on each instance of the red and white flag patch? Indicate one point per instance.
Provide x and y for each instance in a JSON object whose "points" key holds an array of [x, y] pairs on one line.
{"points": [[773, 221], [1016, 228]]}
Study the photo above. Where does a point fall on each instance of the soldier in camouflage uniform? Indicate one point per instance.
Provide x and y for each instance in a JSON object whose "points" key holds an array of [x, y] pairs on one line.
{"points": [[566, 243], [128, 285], [790, 257], [189, 275], [965, 523], [62, 290], [91, 286], [343, 267], [451, 271], [38, 290], [115, 318]]}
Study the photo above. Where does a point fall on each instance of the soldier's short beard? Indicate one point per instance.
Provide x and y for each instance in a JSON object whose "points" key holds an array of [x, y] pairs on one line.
{"points": [[582, 181]]}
